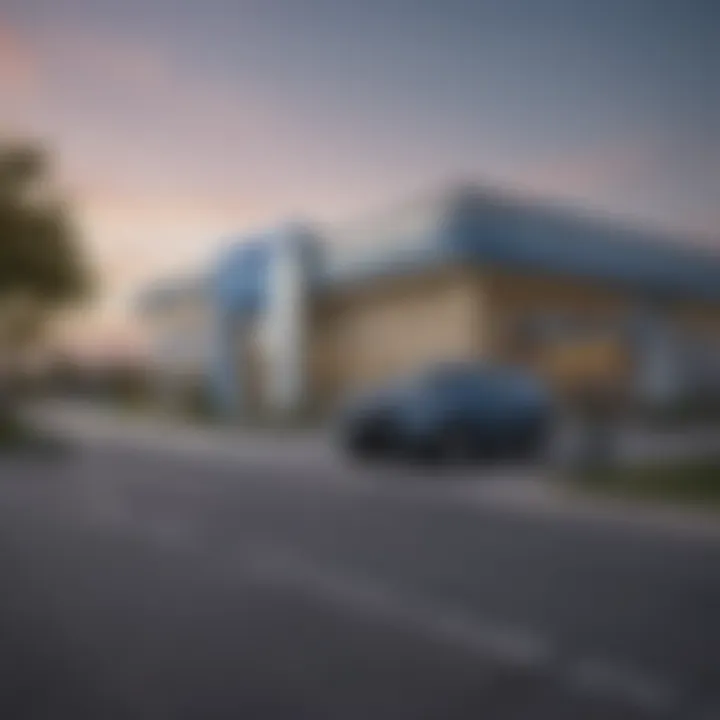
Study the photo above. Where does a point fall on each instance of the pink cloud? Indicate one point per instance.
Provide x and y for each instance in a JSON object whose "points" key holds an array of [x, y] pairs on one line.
{"points": [[110, 58], [134, 237], [18, 62]]}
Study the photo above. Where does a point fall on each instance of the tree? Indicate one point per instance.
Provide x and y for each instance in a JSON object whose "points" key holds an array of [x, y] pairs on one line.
{"points": [[41, 265]]}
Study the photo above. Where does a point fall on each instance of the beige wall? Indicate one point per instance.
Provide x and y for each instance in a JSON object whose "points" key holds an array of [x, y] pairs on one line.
{"points": [[572, 364], [390, 328], [701, 318], [509, 297], [370, 334], [513, 296], [364, 335]]}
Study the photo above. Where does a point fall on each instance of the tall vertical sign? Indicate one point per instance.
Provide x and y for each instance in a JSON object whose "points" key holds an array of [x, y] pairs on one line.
{"points": [[285, 321]]}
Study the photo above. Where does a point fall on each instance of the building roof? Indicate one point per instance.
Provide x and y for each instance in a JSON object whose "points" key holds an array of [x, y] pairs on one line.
{"points": [[487, 227], [504, 230], [471, 225]]}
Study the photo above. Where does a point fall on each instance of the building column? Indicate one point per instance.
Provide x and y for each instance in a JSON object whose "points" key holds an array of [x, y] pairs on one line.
{"points": [[285, 325], [226, 376], [658, 375]]}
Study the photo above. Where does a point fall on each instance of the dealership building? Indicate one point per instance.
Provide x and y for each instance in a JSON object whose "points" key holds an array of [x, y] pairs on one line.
{"points": [[297, 317]]}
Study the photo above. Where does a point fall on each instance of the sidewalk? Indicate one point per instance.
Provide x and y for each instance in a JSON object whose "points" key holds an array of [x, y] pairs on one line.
{"points": [[95, 423], [553, 497], [308, 456]]}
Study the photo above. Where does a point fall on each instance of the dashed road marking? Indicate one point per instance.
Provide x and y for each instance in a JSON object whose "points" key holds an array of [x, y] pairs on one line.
{"points": [[708, 713], [507, 645], [615, 680]]}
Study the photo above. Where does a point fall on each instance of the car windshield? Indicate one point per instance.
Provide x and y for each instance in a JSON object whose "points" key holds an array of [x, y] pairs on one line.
{"points": [[451, 375], [464, 376]]}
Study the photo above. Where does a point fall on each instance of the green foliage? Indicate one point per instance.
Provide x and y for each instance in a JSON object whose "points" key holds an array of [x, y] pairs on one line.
{"points": [[694, 482], [40, 258], [703, 409], [13, 432]]}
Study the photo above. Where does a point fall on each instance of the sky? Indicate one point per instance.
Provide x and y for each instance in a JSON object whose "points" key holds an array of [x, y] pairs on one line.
{"points": [[178, 122]]}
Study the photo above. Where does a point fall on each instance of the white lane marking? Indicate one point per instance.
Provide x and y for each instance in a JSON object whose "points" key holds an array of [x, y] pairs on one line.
{"points": [[711, 712], [523, 490], [497, 641], [507, 645], [520, 490], [615, 680]]}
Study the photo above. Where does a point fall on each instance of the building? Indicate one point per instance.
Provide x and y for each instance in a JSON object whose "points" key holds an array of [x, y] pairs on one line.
{"points": [[289, 319]]}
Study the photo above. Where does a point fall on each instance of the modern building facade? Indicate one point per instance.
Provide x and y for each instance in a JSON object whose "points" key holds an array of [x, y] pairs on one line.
{"points": [[292, 318]]}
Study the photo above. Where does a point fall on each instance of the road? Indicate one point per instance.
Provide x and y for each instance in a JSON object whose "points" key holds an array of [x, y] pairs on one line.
{"points": [[143, 583]]}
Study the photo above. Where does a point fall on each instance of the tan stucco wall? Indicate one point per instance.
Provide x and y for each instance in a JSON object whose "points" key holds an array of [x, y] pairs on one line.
{"points": [[514, 296], [366, 335], [509, 297], [698, 317], [359, 337], [572, 364]]}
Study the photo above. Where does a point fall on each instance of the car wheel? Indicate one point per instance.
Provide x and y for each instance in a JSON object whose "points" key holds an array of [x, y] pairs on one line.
{"points": [[456, 445], [532, 445], [359, 447]]}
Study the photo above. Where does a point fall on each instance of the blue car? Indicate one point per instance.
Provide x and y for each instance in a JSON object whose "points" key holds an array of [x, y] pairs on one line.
{"points": [[450, 412]]}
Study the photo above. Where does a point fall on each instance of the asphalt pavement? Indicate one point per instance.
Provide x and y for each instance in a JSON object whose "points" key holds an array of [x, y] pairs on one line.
{"points": [[142, 583]]}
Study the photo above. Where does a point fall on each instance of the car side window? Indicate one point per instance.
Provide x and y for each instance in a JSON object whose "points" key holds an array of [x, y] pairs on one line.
{"points": [[462, 389]]}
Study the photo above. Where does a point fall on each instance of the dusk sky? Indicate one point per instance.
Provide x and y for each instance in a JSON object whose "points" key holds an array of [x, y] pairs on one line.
{"points": [[178, 121]]}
